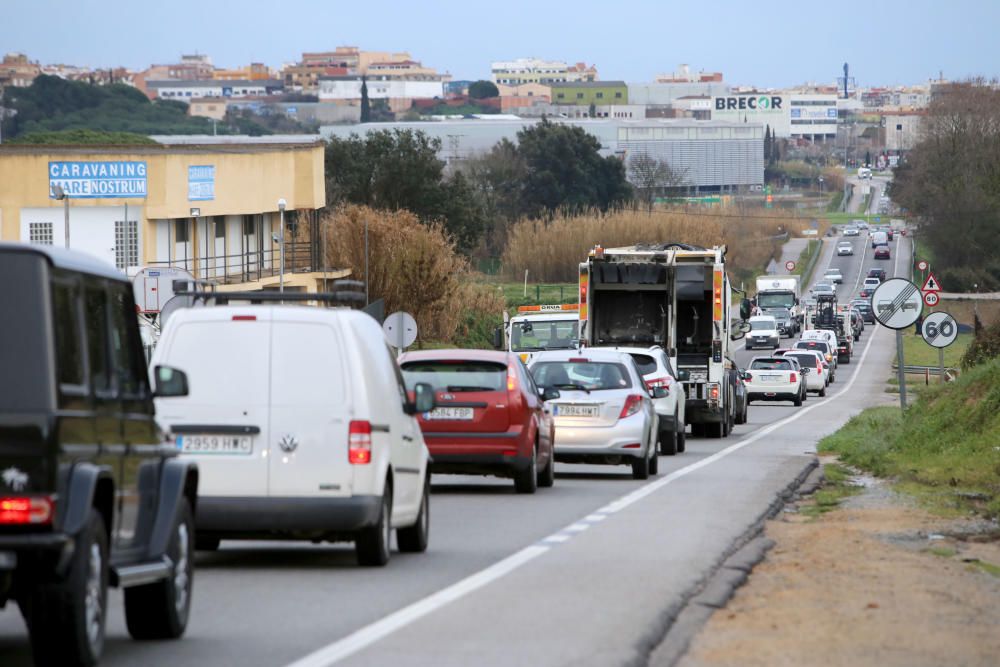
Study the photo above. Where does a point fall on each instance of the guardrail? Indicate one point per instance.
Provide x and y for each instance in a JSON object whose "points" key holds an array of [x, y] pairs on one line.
{"points": [[950, 374]]}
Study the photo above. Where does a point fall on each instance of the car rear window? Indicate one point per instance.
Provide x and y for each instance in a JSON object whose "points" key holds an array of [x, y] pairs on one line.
{"points": [[771, 365], [805, 360], [589, 375], [646, 363], [813, 345], [456, 376], [761, 325]]}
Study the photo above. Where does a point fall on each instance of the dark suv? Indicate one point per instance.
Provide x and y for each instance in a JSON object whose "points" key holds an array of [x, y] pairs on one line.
{"points": [[877, 273], [90, 495]]}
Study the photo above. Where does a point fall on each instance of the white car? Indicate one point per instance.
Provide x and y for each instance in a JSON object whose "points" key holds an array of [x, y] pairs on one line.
{"points": [[763, 332], [871, 283], [845, 248], [301, 427], [834, 275], [822, 288], [817, 378], [604, 413], [775, 379], [852, 231], [657, 371]]}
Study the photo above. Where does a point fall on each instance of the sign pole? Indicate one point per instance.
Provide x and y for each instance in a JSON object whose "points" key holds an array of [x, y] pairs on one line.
{"points": [[941, 362], [901, 372]]}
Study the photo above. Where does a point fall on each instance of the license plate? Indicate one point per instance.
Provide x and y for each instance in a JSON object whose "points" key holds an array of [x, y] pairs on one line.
{"points": [[462, 414], [770, 378], [576, 410], [215, 444], [696, 376]]}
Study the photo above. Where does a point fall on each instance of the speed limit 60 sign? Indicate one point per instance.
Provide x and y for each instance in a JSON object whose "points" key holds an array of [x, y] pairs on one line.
{"points": [[939, 329]]}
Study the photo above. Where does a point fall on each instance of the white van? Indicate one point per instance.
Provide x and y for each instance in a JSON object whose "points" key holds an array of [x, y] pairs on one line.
{"points": [[879, 238], [301, 426]]}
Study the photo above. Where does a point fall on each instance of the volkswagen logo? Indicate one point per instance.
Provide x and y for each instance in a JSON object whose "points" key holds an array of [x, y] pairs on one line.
{"points": [[288, 443]]}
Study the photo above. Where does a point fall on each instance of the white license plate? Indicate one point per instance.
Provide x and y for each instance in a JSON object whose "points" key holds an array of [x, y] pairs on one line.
{"points": [[576, 410], [462, 414], [215, 444], [770, 378]]}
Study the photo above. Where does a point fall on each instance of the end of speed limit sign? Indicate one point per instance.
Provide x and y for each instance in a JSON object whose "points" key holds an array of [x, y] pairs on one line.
{"points": [[939, 329]]}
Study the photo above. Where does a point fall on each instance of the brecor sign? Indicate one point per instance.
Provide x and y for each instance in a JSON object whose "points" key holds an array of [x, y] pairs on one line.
{"points": [[98, 180], [754, 102]]}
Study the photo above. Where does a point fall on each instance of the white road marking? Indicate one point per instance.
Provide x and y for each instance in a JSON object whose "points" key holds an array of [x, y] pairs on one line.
{"points": [[370, 634]]}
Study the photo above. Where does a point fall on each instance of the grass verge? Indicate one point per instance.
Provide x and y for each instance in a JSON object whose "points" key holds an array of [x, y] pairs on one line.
{"points": [[918, 353], [945, 449], [836, 487]]}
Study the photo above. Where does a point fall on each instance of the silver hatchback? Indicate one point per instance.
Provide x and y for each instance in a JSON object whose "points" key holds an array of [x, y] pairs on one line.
{"points": [[605, 413]]}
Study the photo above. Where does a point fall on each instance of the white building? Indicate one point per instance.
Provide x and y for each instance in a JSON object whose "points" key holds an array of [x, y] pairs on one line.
{"points": [[188, 90], [534, 70], [333, 89], [810, 116]]}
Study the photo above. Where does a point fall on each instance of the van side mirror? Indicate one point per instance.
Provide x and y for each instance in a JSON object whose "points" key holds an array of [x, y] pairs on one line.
{"points": [[745, 309], [423, 399], [169, 383], [683, 375], [498, 338]]}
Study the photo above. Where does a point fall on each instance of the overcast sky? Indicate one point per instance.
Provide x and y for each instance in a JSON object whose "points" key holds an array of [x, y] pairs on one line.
{"points": [[753, 42]]}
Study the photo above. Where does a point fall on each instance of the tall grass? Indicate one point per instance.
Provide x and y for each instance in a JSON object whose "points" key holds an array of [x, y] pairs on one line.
{"points": [[551, 251]]}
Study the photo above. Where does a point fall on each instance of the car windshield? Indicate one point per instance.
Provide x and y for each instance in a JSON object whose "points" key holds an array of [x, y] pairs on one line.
{"points": [[761, 325], [581, 375], [528, 336], [771, 365], [456, 376]]}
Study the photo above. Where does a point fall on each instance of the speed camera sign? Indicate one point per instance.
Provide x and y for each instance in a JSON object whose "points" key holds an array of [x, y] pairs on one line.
{"points": [[897, 303], [939, 329]]}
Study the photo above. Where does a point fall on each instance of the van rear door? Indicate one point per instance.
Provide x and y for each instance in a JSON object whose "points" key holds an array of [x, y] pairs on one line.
{"points": [[310, 411], [223, 422]]}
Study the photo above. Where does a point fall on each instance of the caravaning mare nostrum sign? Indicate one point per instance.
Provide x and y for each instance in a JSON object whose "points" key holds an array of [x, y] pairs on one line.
{"points": [[98, 180]]}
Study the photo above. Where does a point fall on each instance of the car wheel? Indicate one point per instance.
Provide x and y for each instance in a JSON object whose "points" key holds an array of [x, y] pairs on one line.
{"points": [[668, 439], [547, 477], [413, 539], [160, 610], [371, 547], [68, 618], [682, 438], [640, 467], [822, 392], [526, 480], [797, 401], [654, 460]]}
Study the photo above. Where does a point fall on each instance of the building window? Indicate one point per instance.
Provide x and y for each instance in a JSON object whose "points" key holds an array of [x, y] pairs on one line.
{"points": [[560, 96], [181, 231], [40, 233], [579, 96], [618, 96], [600, 95], [126, 244], [220, 228]]}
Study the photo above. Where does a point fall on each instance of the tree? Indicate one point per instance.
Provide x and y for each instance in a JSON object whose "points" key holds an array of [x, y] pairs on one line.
{"points": [[652, 177], [565, 170], [480, 90], [366, 109], [498, 177], [950, 182], [592, 110]]}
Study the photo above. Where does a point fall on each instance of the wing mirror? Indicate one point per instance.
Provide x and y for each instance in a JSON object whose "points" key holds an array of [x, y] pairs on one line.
{"points": [[660, 392], [548, 393], [423, 399], [806, 370], [498, 338], [745, 309], [740, 330], [170, 383], [683, 375]]}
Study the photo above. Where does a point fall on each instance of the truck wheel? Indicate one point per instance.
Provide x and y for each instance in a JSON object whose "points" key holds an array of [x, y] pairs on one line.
{"points": [[371, 547], [698, 430], [413, 539], [526, 480], [68, 618], [160, 610]]}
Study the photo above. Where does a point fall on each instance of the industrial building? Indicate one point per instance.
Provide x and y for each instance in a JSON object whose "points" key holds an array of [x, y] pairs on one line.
{"points": [[811, 116]]}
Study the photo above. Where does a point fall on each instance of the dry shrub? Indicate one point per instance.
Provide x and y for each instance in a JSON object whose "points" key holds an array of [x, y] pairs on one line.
{"points": [[552, 251], [414, 266]]}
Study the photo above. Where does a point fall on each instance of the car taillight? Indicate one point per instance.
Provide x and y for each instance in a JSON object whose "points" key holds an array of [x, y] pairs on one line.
{"points": [[359, 442], [511, 379], [25, 510], [793, 377], [819, 366], [658, 382], [632, 405]]}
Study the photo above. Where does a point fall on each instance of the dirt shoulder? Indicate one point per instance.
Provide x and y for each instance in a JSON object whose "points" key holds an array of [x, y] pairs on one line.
{"points": [[876, 581]]}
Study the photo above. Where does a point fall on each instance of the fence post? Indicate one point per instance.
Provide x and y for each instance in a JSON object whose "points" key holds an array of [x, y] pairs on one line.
{"points": [[538, 293]]}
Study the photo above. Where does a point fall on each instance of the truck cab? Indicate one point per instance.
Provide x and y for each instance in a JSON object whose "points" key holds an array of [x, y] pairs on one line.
{"points": [[90, 493], [540, 327]]}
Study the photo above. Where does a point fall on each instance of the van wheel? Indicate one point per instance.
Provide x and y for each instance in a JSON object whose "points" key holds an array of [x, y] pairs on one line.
{"points": [[526, 480], [413, 539], [160, 610], [640, 468], [372, 544], [547, 477], [68, 618]]}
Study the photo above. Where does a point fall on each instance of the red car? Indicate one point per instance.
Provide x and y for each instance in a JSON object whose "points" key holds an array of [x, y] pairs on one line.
{"points": [[490, 417], [882, 252]]}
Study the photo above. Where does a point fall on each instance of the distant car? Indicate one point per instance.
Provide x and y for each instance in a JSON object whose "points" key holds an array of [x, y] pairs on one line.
{"points": [[817, 379], [657, 371], [864, 306], [787, 325], [605, 413], [852, 231], [890, 231], [845, 248], [763, 332], [866, 292], [828, 349], [820, 289], [882, 252], [490, 419], [877, 273], [857, 323], [834, 275], [775, 379]]}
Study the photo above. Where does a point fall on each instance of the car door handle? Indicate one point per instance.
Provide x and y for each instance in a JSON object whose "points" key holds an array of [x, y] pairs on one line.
{"points": [[408, 438]]}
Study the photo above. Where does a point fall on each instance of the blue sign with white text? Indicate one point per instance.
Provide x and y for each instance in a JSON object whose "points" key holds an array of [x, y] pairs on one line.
{"points": [[201, 182], [98, 180]]}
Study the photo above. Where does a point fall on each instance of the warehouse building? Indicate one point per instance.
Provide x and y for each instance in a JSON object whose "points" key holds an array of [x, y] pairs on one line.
{"points": [[806, 116], [208, 205]]}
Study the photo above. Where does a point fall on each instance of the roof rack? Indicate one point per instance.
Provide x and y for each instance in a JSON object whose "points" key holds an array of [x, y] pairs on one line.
{"points": [[345, 293]]}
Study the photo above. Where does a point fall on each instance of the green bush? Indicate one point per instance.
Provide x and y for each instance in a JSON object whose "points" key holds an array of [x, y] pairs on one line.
{"points": [[984, 347]]}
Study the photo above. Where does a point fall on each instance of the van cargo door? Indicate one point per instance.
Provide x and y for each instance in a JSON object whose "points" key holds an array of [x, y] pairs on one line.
{"points": [[309, 412]]}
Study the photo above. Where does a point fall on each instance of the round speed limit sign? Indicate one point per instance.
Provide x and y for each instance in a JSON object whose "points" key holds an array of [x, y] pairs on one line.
{"points": [[922, 265], [939, 329], [790, 265]]}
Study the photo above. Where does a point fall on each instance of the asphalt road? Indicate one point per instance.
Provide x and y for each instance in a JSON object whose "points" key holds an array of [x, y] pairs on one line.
{"points": [[588, 572]]}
